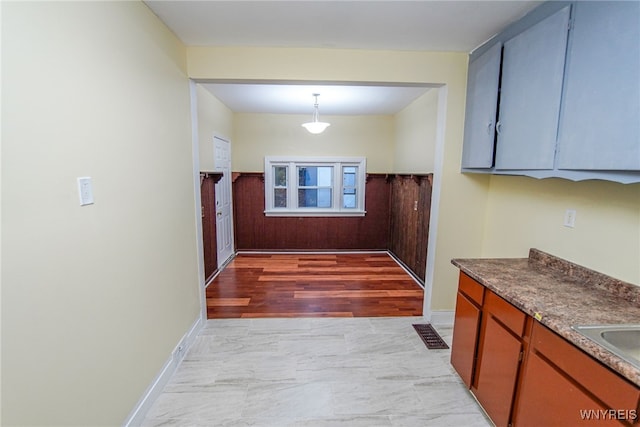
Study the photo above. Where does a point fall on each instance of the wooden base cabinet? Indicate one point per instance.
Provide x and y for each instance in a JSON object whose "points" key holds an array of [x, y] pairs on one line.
{"points": [[562, 386], [523, 374], [487, 347], [548, 398]]}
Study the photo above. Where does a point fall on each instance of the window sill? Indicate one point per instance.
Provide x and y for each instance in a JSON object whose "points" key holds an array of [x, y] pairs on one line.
{"points": [[354, 213]]}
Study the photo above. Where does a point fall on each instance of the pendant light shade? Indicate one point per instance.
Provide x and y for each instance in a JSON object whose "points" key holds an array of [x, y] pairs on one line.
{"points": [[315, 125]]}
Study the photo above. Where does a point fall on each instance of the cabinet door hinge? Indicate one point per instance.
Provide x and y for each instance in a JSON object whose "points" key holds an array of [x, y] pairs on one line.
{"points": [[570, 24], [521, 356]]}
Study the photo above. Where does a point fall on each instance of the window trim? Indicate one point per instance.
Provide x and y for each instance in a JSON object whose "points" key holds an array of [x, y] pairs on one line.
{"points": [[292, 162]]}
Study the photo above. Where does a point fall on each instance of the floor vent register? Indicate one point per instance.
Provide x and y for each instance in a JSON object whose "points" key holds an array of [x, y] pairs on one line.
{"points": [[430, 337]]}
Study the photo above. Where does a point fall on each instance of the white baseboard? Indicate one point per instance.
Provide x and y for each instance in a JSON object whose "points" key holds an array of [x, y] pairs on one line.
{"points": [[441, 317], [137, 415]]}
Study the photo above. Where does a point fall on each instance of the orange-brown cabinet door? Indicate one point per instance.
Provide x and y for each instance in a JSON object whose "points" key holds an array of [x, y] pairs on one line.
{"points": [[548, 398], [465, 337], [497, 371]]}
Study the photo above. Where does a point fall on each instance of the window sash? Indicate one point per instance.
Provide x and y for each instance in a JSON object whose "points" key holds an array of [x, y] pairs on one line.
{"points": [[318, 192], [349, 187], [280, 187]]}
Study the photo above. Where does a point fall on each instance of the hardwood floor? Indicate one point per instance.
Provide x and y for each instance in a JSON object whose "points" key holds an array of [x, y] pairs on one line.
{"points": [[313, 285]]}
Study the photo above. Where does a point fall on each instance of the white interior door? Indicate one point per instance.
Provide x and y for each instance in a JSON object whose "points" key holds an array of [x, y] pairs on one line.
{"points": [[224, 205]]}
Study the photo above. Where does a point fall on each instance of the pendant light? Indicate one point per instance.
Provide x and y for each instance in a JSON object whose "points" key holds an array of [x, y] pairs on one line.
{"points": [[315, 125]]}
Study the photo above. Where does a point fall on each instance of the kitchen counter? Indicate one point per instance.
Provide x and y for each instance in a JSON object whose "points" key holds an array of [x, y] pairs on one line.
{"points": [[559, 294]]}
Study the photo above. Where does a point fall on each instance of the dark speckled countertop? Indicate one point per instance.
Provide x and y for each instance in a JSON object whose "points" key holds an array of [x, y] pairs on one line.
{"points": [[564, 294]]}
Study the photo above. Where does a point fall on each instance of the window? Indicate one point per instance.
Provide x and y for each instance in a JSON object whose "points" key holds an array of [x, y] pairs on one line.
{"points": [[314, 186]]}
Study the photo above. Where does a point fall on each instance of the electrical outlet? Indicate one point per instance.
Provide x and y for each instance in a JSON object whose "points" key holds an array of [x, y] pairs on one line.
{"points": [[570, 218]]}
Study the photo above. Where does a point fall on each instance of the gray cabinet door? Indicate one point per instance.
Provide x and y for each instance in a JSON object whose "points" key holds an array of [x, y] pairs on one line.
{"points": [[600, 122], [482, 99], [532, 75]]}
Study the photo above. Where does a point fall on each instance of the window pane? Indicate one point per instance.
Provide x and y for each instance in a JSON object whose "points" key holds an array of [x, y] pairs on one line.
{"points": [[324, 176], [307, 198], [307, 176], [349, 198], [349, 201], [280, 176], [324, 198], [314, 176], [349, 176], [314, 198], [280, 198]]}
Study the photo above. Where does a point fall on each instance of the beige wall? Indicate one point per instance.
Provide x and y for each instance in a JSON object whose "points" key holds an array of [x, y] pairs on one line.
{"points": [[94, 298], [214, 118], [524, 212], [415, 136], [258, 135], [458, 234], [403, 143]]}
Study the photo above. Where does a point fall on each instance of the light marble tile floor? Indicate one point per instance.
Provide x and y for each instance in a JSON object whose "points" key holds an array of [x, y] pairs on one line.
{"points": [[315, 372]]}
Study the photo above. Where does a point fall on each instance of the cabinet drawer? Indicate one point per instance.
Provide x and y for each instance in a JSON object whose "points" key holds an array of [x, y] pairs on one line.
{"points": [[470, 288], [506, 313], [599, 380]]}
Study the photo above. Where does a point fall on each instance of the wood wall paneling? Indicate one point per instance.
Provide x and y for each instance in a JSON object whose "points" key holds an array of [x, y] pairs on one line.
{"points": [[208, 200], [409, 220], [248, 210], [397, 219], [424, 219], [255, 231]]}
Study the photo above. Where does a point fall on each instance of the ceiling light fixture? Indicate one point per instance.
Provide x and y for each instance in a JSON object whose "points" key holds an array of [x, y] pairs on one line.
{"points": [[315, 125]]}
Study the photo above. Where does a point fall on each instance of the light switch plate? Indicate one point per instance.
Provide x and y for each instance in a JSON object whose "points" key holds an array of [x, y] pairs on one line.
{"points": [[85, 190], [570, 218]]}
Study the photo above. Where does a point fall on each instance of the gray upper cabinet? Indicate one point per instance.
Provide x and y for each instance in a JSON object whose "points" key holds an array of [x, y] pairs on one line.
{"points": [[482, 99], [568, 93], [532, 75], [600, 126]]}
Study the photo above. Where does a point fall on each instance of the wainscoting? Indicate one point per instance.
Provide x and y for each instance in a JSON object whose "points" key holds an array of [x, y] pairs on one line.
{"points": [[255, 231], [410, 212], [397, 220], [208, 182]]}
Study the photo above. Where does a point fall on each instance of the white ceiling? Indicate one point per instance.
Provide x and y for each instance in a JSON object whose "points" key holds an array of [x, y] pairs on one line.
{"points": [[378, 25], [297, 99]]}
